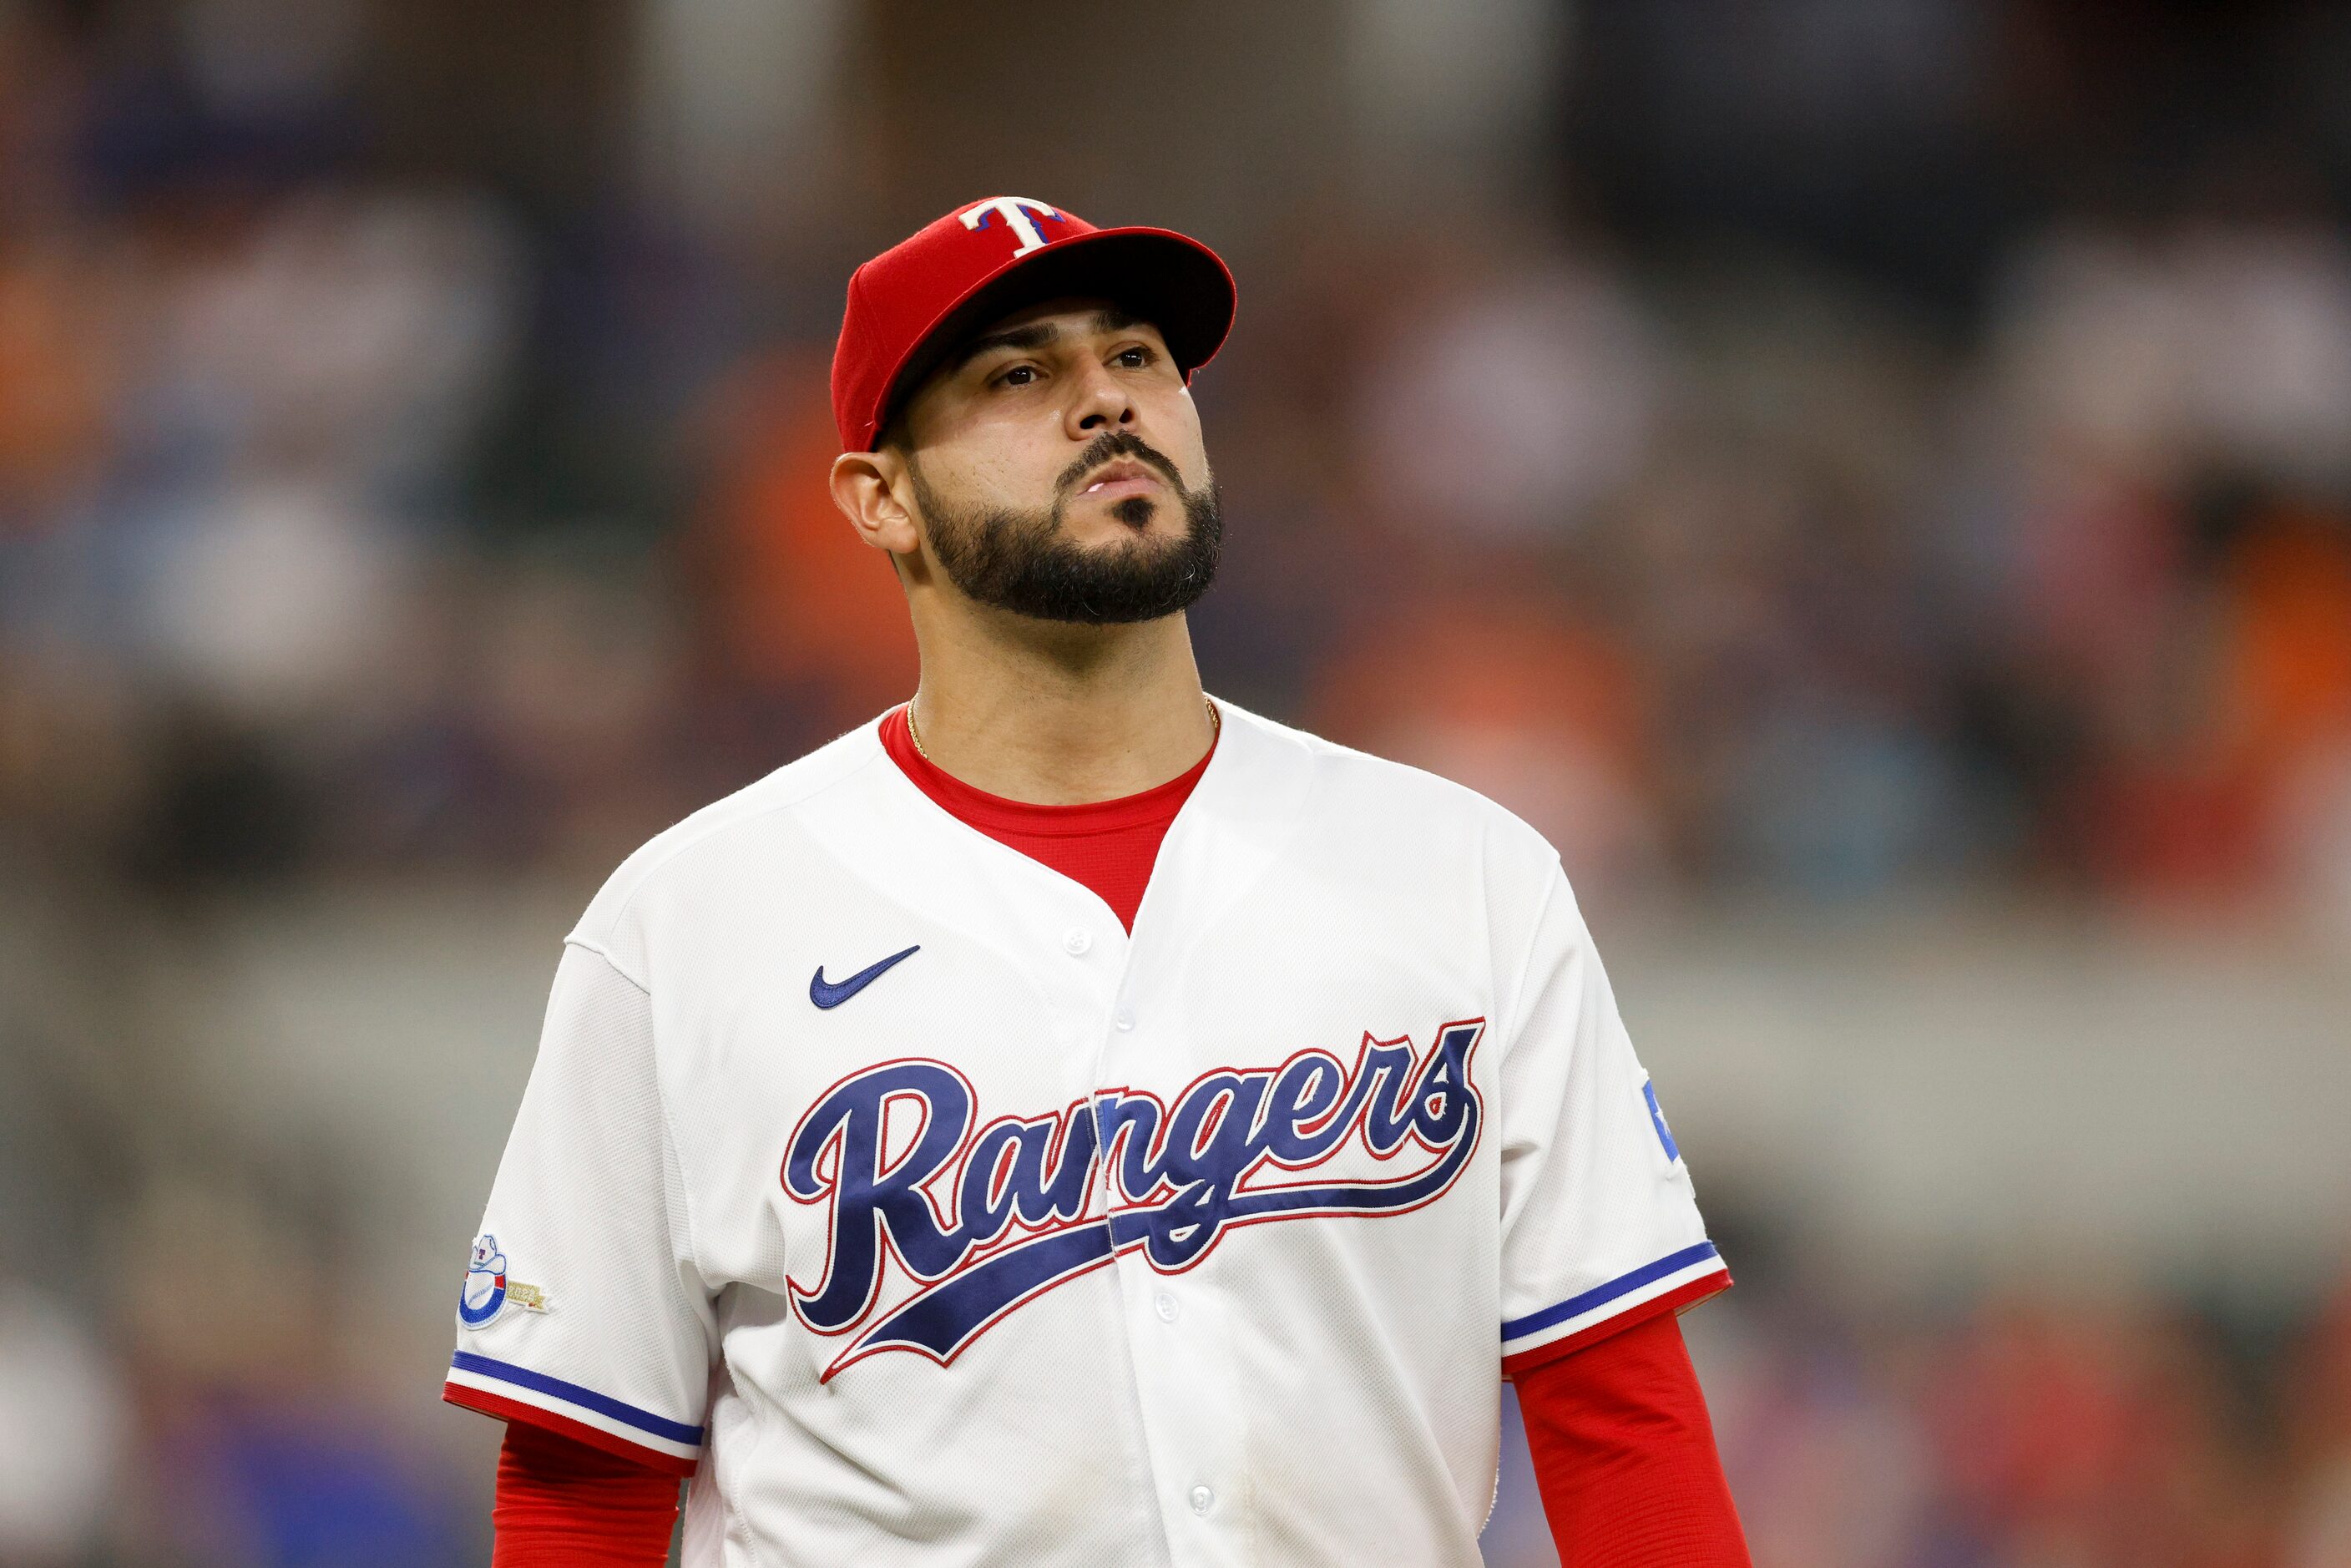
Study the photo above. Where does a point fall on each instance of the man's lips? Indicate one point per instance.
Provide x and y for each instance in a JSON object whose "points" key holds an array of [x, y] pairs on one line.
{"points": [[1122, 477]]}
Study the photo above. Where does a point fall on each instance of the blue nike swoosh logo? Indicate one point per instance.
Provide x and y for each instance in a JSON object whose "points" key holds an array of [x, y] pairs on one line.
{"points": [[832, 994]]}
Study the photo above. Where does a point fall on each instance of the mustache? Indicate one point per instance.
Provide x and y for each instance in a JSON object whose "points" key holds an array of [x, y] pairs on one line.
{"points": [[1112, 443]]}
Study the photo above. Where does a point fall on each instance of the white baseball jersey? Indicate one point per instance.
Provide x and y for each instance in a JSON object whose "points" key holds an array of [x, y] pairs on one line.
{"points": [[871, 1173]]}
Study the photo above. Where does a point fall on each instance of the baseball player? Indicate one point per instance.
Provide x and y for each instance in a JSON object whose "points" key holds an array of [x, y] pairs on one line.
{"points": [[1069, 1119]]}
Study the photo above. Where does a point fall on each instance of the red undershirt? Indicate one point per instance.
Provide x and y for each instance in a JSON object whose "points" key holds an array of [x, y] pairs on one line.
{"points": [[1623, 1452], [1108, 845]]}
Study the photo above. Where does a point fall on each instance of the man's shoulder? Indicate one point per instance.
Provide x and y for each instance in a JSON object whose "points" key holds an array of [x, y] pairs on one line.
{"points": [[719, 833], [1377, 793]]}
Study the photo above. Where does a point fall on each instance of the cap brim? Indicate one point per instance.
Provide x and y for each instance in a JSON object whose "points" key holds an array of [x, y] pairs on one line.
{"points": [[1171, 280]]}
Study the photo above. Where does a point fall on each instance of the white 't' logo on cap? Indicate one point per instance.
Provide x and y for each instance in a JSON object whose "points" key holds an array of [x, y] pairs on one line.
{"points": [[1009, 209]]}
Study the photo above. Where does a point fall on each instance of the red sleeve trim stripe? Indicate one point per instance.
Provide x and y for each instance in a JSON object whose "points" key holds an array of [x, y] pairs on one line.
{"points": [[505, 1409], [1679, 1299]]}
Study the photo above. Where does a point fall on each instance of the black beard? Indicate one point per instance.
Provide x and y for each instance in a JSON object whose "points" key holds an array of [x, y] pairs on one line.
{"points": [[1022, 561]]}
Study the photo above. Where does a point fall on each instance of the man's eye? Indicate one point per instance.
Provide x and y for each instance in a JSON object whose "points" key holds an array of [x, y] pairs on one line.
{"points": [[1018, 376], [1135, 359]]}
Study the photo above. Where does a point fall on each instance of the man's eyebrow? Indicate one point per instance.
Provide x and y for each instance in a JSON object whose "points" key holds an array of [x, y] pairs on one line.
{"points": [[1036, 335]]}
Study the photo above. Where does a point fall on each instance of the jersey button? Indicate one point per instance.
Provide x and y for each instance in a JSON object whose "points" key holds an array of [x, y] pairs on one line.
{"points": [[1125, 1021], [1166, 1306], [1203, 1500], [1075, 942]]}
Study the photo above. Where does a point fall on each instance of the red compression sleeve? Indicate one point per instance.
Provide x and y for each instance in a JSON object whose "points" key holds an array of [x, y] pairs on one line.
{"points": [[564, 1504], [1625, 1455]]}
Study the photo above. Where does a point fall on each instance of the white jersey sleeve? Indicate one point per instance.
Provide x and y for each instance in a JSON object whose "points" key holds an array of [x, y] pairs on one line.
{"points": [[582, 1309], [1600, 1226]]}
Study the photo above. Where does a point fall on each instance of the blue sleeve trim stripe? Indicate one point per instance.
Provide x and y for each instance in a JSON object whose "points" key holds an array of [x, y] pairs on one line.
{"points": [[1601, 1295], [586, 1398]]}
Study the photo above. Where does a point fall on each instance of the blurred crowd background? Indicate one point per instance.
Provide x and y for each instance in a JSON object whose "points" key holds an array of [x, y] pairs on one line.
{"points": [[1871, 479]]}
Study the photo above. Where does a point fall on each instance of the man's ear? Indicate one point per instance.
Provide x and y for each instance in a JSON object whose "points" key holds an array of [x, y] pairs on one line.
{"points": [[868, 486]]}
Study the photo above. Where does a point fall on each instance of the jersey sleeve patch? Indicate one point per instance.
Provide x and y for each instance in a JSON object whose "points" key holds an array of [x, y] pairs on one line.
{"points": [[1690, 1275], [501, 1388], [1658, 1119]]}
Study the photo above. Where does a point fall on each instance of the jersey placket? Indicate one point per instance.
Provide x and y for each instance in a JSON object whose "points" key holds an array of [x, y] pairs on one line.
{"points": [[1178, 1394], [1177, 1344]]}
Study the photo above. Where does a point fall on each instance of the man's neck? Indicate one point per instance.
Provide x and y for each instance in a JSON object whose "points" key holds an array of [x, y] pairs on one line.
{"points": [[1056, 714]]}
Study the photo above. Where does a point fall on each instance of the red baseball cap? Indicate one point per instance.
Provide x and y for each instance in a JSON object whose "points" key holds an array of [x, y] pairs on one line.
{"points": [[911, 304]]}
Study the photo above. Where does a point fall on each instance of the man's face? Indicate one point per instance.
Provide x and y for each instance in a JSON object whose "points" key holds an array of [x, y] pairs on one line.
{"points": [[1059, 468]]}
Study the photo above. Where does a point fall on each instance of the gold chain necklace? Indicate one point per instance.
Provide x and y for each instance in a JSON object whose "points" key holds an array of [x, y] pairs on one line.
{"points": [[1215, 727]]}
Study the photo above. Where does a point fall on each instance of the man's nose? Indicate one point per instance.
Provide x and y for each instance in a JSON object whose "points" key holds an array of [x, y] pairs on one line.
{"points": [[1100, 404]]}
